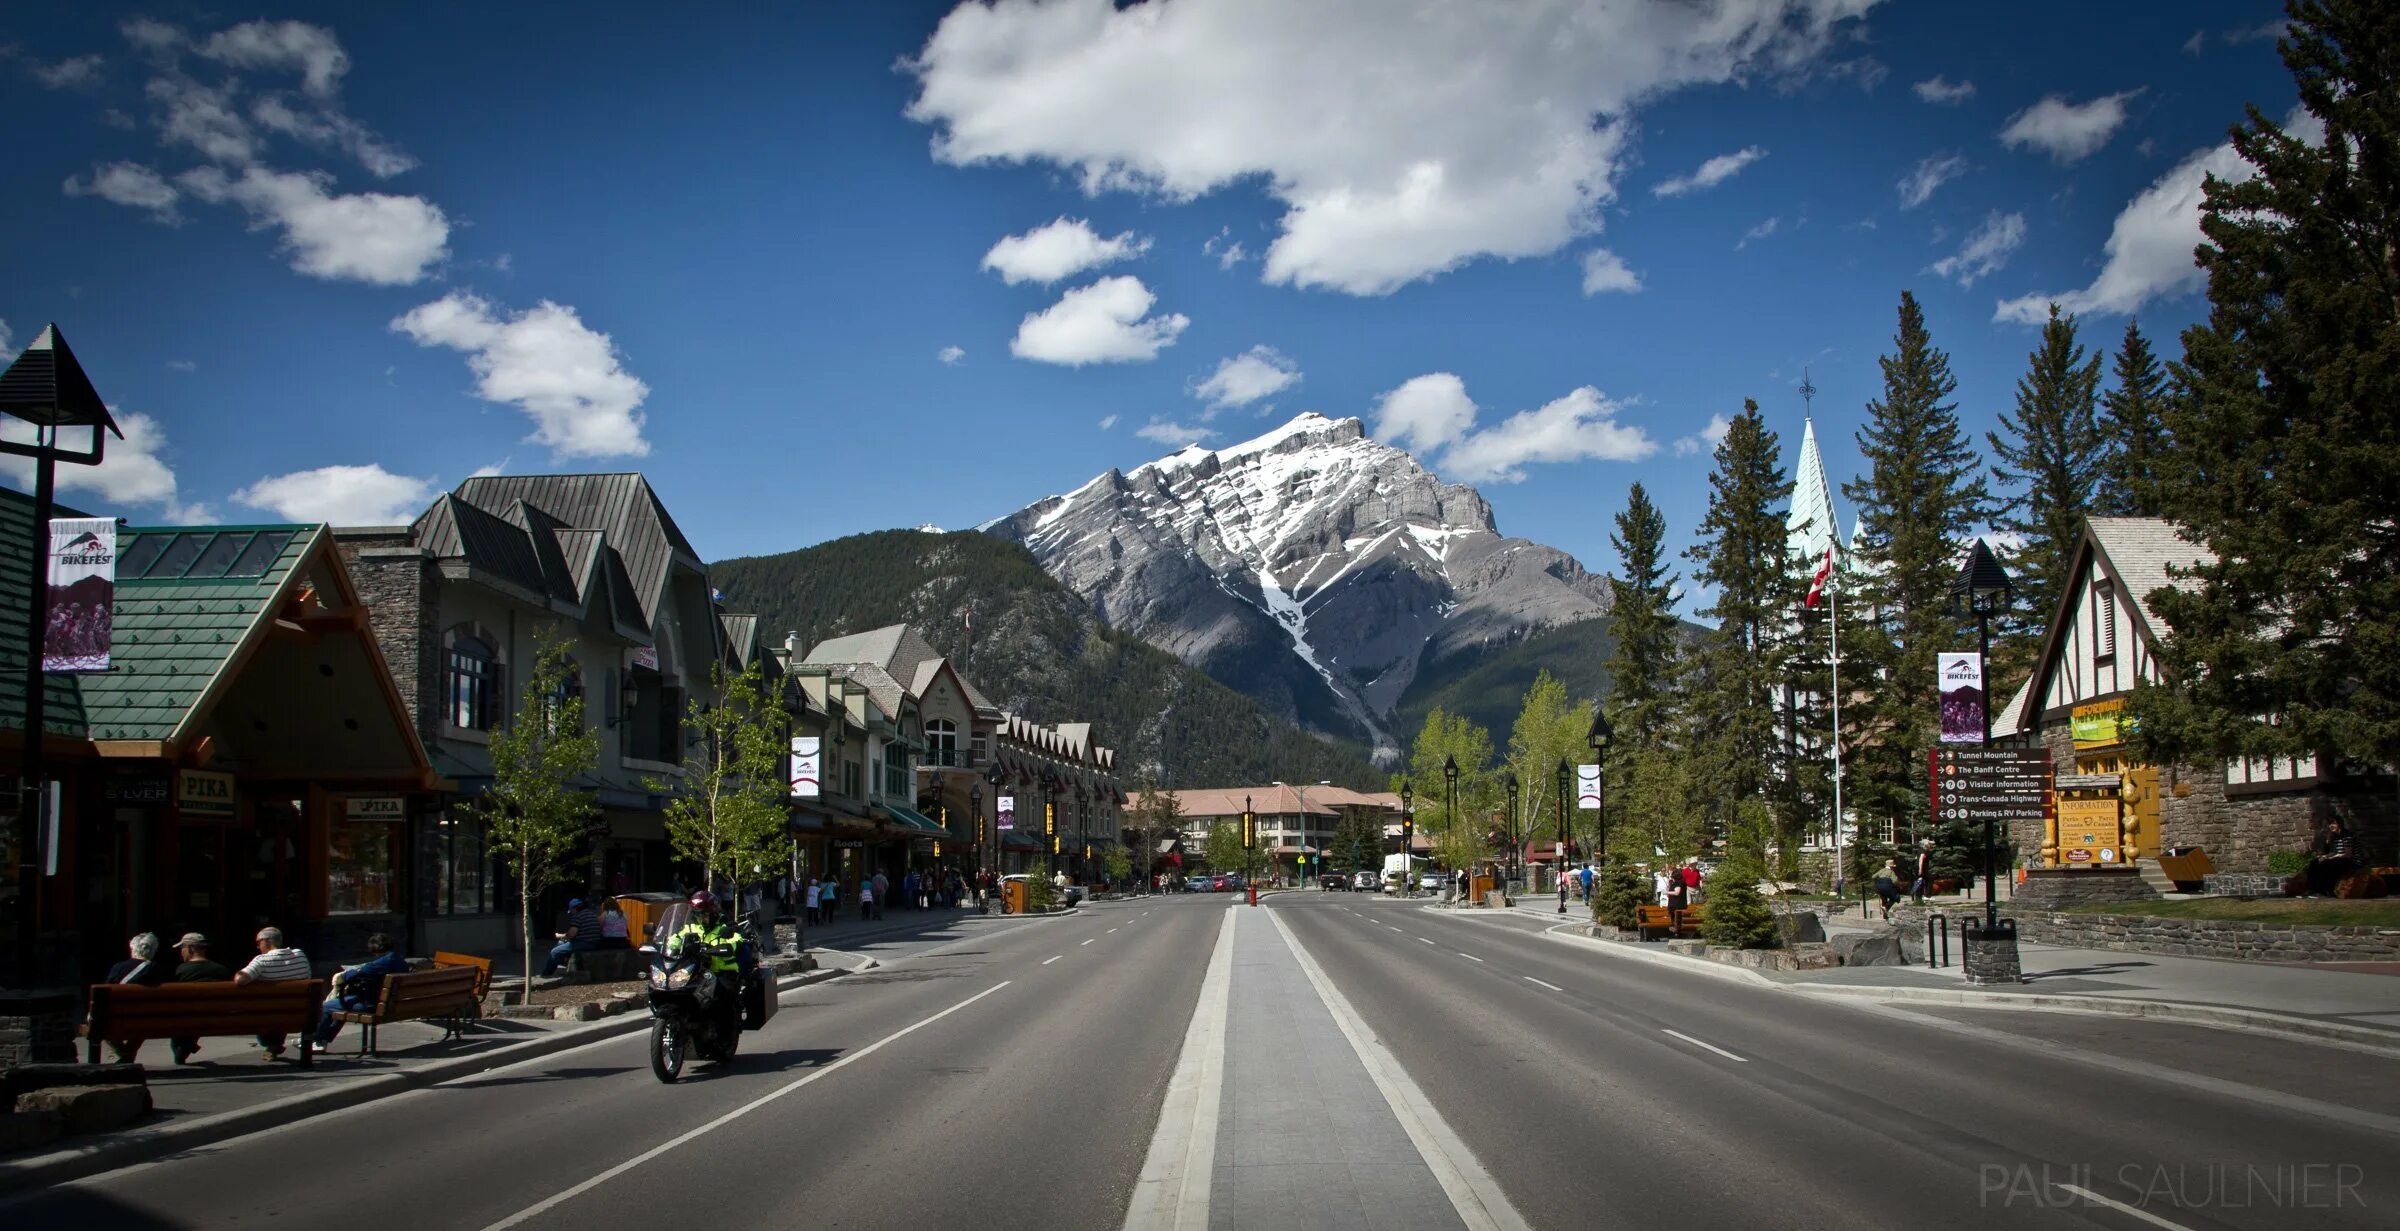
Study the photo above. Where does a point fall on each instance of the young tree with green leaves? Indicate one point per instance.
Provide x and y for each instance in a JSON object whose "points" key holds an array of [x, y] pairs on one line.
{"points": [[1658, 809], [534, 812], [1641, 666], [1157, 815], [1117, 863], [2287, 640], [2133, 429], [1550, 728], [1742, 554], [2051, 452], [1223, 848], [1443, 736], [1920, 501], [729, 814]]}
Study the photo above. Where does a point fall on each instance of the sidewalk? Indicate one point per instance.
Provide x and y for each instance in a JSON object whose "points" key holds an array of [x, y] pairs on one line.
{"points": [[2360, 1006]]}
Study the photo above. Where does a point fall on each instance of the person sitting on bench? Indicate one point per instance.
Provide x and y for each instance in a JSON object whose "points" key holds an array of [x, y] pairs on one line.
{"points": [[355, 988], [582, 935]]}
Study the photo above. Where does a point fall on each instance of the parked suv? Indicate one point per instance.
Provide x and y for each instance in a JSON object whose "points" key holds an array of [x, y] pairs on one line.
{"points": [[1370, 882]]}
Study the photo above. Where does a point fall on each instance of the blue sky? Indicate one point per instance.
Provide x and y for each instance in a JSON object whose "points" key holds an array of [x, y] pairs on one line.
{"points": [[329, 262]]}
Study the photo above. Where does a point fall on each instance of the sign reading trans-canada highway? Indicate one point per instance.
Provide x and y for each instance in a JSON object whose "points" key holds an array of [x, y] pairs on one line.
{"points": [[2000, 785]]}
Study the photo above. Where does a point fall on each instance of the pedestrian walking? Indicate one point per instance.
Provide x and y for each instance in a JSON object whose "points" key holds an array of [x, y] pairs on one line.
{"points": [[1887, 887], [1916, 888], [866, 899], [809, 902], [1678, 896], [1563, 878], [1691, 881], [830, 901], [883, 891]]}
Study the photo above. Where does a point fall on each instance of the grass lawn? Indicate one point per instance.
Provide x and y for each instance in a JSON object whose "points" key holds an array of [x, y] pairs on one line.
{"points": [[2372, 912]]}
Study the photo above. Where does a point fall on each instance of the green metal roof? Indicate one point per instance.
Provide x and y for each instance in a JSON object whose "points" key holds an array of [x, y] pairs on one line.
{"points": [[172, 634]]}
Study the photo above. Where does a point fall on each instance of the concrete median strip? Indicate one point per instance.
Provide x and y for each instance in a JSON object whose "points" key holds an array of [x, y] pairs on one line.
{"points": [[1173, 1190], [146, 1145]]}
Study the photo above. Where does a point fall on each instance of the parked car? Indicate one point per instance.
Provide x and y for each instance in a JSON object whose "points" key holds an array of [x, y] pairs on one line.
{"points": [[1436, 882], [1334, 880], [1198, 884], [1370, 882]]}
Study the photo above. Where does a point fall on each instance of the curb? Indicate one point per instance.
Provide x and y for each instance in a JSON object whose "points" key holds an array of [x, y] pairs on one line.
{"points": [[19, 1176]]}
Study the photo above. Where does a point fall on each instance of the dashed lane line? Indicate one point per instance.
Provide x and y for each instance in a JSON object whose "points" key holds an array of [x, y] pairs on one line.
{"points": [[1472, 958], [1422, 940], [2122, 1208], [1046, 961], [1088, 942], [1710, 1046], [1552, 986]]}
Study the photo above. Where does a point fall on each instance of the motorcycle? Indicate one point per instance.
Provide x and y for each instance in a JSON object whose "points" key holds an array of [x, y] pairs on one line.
{"points": [[694, 1008]]}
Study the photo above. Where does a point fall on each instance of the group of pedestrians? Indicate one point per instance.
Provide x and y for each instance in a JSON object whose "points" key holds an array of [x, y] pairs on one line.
{"points": [[353, 988], [917, 889]]}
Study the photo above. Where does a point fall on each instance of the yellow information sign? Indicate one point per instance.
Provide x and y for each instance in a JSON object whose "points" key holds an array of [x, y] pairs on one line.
{"points": [[2090, 832], [2100, 724]]}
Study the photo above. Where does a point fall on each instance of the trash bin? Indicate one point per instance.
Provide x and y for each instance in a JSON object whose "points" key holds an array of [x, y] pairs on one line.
{"points": [[1012, 897]]}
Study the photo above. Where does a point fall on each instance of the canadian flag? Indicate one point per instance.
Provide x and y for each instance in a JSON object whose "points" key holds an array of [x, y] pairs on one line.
{"points": [[1816, 584]]}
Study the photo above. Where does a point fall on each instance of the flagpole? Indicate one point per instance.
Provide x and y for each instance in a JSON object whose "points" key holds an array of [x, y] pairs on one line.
{"points": [[1833, 626]]}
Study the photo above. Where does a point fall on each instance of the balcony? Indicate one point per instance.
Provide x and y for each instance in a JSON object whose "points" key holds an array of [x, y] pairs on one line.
{"points": [[946, 758]]}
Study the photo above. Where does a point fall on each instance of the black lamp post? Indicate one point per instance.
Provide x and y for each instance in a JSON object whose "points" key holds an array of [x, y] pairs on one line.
{"points": [[1408, 837], [46, 388], [1249, 844], [1450, 775], [1599, 737], [1516, 850], [1983, 591], [1562, 828]]}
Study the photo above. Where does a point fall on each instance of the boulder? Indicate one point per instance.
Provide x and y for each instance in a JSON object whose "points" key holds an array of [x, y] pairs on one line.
{"points": [[1816, 955], [89, 1109], [1870, 949], [23, 1130], [1689, 948], [1800, 927], [25, 1078]]}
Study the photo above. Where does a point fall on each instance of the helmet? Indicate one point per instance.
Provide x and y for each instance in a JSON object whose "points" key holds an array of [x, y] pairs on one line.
{"points": [[701, 901]]}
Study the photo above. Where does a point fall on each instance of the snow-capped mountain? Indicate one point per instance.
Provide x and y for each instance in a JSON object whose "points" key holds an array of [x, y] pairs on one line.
{"points": [[1311, 568]]}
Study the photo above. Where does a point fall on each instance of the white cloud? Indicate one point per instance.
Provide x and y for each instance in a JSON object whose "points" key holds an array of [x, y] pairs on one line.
{"points": [[183, 365], [1943, 92], [951, 356], [490, 469], [366, 237], [7, 343], [1988, 248], [2192, 45], [1107, 422], [70, 74], [566, 376], [1059, 249], [1759, 232], [1166, 432], [1106, 322], [1604, 270], [129, 184], [1935, 170], [1715, 171], [330, 128], [2068, 132], [365, 495], [203, 119], [286, 46], [1255, 374], [2256, 34], [2149, 248], [1511, 157], [155, 38], [1228, 250], [1432, 413], [1708, 437], [131, 471]]}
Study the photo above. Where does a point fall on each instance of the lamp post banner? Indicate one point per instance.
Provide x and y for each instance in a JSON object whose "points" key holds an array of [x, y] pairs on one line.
{"points": [[806, 750], [1587, 788], [1006, 814], [83, 593], [1962, 698]]}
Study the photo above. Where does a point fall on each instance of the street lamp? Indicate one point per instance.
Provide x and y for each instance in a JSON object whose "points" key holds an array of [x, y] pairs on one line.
{"points": [[1599, 737], [47, 389], [1408, 837], [1983, 591], [1514, 851], [1249, 844], [1562, 827], [1450, 818]]}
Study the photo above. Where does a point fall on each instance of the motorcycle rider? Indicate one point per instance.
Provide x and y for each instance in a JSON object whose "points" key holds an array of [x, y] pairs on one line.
{"points": [[717, 935]]}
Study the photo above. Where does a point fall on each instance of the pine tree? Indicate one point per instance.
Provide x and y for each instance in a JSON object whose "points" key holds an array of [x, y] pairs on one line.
{"points": [[1741, 553], [2134, 430], [1922, 495], [1617, 891], [2287, 443], [1641, 668], [2052, 447]]}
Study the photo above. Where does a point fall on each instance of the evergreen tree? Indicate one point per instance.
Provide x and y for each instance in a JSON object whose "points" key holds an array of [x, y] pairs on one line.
{"points": [[1617, 890], [1922, 495], [2287, 443], [1741, 553], [2134, 431], [1738, 916], [2050, 447], [1641, 668]]}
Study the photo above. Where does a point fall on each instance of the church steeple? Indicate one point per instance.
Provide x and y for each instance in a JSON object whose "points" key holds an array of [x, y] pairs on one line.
{"points": [[1811, 525]]}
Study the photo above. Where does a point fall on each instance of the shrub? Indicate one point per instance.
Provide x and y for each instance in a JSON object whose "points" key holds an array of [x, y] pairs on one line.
{"points": [[1620, 888], [1039, 892], [2287, 863], [1737, 915]]}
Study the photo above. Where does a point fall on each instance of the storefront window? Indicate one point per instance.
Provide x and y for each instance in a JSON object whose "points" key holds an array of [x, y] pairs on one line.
{"points": [[460, 866], [361, 868]]}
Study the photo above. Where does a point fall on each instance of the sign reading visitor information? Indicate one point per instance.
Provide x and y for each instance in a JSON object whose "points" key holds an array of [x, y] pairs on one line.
{"points": [[1008, 812], [1962, 698], [804, 774], [1587, 788], [1999, 785], [83, 593]]}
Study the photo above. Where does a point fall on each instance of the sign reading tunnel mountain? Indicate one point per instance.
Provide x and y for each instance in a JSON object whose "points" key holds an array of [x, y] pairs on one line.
{"points": [[83, 594], [1999, 785]]}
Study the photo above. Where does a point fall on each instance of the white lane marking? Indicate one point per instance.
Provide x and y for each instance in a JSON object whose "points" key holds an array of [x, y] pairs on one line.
{"points": [[1477, 1197], [1710, 1046], [737, 1113], [2122, 1208], [1470, 957], [1552, 986], [1112, 929], [1422, 940], [1046, 961], [1087, 942], [1174, 1184], [1390, 926]]}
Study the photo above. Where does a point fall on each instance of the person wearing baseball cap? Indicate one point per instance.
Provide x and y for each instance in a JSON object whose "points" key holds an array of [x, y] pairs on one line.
{"points": [[582, 935], [194, 968]]}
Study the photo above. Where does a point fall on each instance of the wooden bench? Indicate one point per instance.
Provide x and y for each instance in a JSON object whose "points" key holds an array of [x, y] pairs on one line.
{"points": [[1648, 919], [204, 1010], [1689, 919], [482, 967], [444, 994]]}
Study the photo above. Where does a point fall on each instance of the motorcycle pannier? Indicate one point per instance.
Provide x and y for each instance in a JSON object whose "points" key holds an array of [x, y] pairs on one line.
{"points": [[758, 999]]}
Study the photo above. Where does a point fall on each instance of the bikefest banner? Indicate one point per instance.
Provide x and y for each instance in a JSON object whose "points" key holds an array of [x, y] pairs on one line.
{"points": [[1007, 813], [805, 758], [83, 593], [1587, 788], [1962, 698]]}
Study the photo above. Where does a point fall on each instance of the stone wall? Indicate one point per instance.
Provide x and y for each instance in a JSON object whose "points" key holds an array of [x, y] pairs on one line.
{"points": [[396, 580], [36, 1028], [2053, 888], [2257, 942]]}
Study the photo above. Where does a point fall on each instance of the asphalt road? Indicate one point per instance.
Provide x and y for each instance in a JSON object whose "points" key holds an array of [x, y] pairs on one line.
{"points": [[1602, 1090], [1014, 1078], [1030, 1106]]}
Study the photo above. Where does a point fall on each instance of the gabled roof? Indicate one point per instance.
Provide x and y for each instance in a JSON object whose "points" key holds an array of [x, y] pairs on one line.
{"points": [[174, 637], [740, 637], [1811, 526], [2011, 719], [880, 687], [558, 534], [2139, 550]]}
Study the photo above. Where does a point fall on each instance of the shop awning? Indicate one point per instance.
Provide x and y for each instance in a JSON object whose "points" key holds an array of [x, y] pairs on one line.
{"points": [[1014, 841], [916, 820]]}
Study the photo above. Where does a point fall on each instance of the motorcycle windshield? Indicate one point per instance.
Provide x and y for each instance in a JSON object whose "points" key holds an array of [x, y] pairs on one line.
{"points": [[668, 923]]}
